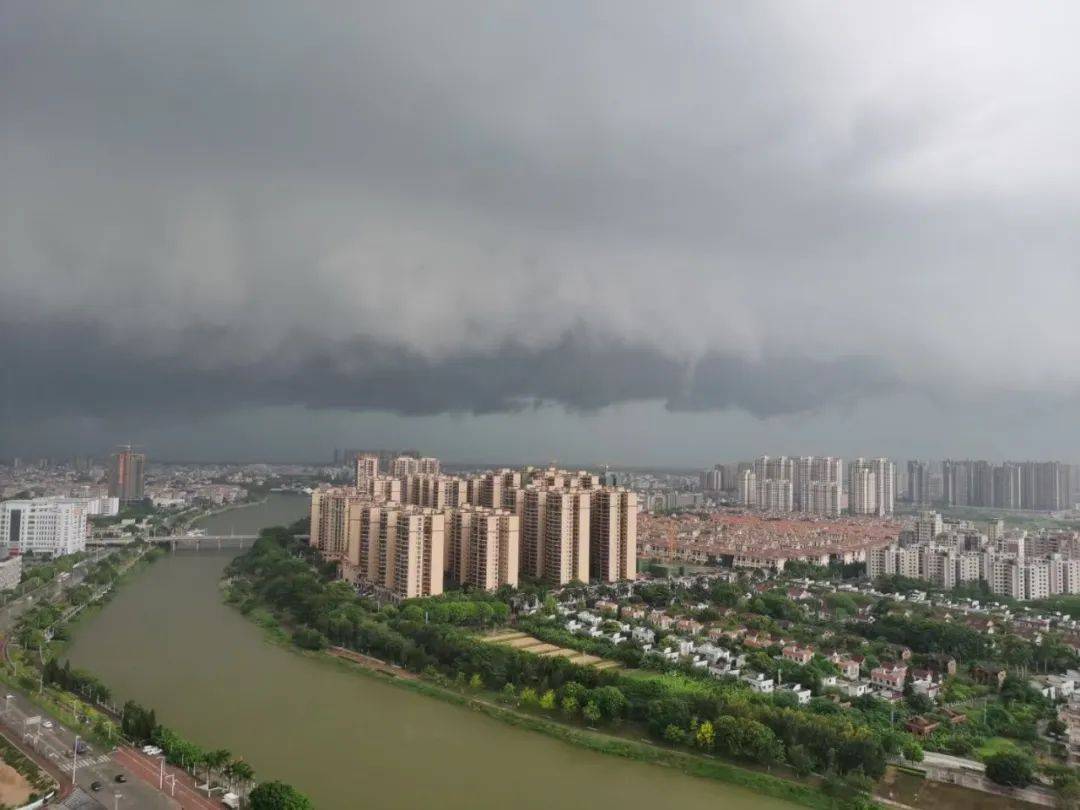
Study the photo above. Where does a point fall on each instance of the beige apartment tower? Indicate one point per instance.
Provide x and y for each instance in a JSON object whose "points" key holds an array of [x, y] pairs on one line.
{"points": [[415, 555], [489, 557], [367, 466], [396, 548], [613, 534], [565, 546], [329, 520]]}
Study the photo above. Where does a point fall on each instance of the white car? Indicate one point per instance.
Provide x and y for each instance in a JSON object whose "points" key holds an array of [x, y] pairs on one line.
{"points": [[47, 724]]}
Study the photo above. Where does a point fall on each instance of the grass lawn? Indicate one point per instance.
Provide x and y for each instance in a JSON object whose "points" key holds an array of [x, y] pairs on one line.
{"points": [[996, 745]]}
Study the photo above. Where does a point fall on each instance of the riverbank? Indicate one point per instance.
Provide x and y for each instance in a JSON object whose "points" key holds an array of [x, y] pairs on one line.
{"points": [[231, 507], [639, 751], [486, 702]]}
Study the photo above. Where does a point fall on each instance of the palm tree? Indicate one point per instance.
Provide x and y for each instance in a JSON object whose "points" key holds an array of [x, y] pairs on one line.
{"points": [[215, 761], [244, 774]]}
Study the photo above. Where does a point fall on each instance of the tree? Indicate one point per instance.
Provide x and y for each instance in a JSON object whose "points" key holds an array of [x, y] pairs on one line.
{"points": [[569, 706], [610, 701], [547, 700], [592, 713], [278, 796], [1010, 768], [476, 682], [913, 752], [705, 736], [674, 735], [801, 761], [528, 697]]}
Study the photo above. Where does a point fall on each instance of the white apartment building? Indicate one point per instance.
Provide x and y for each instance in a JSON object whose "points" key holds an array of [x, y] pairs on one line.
{"points": [[53, 526], [1036, 579], [862, 489], [748, 492], [776, 495], [824, 498], [928, 526]]}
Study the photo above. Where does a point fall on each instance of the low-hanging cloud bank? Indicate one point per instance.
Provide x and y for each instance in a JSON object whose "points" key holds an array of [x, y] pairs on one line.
{"points": [[775, 208]]}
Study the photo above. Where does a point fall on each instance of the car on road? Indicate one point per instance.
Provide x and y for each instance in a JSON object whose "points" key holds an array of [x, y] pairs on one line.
{"points": [[95, 786], [47, 724], [121, 778]]}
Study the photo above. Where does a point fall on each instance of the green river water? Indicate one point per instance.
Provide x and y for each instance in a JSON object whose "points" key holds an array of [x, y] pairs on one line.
{"points": [[349, 741]]}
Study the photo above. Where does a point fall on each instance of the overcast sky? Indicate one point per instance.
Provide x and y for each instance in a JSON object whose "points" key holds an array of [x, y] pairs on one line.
{"points": [[624, 232]]}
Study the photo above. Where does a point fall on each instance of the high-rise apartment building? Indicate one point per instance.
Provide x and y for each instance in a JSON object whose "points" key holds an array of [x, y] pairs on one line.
{"points": [[885, 473], [404, 466], [776, 495], [555, 533], [329, 519], [382, 489], [487, 555], [416, 555], [367, 466], [126, 474], [429, 466], [565, 554], [872, 487], [918, 475], [862, 488], [825, 498], [747, 492], [1007, 486], [396, 548], [613, 534], [713, 480]]}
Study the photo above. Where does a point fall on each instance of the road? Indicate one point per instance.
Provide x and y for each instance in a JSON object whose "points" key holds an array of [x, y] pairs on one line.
{"points": [[58, 743], [16, 607]]}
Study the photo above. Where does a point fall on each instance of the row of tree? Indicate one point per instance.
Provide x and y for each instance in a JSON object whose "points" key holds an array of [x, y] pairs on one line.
{"points": [[140, 725]]}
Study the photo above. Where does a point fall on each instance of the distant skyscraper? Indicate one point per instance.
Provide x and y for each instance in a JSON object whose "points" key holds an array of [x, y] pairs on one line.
{"points": [[918, 482], [862, 488], [713, 480], [1007, 486], [872, 487], [956, 482], [126, 471]]}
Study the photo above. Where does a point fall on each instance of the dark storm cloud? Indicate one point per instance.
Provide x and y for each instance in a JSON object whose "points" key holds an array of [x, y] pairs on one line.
{"points": [[78, 371], [428, 208]]}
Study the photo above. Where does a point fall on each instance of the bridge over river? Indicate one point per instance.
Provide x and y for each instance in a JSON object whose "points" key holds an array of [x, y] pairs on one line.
{"points": [[215, 541], [198, 541]]}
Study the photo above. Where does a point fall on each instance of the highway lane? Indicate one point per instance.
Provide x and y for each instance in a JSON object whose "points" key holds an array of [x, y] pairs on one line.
{"points": [[57, 743]]}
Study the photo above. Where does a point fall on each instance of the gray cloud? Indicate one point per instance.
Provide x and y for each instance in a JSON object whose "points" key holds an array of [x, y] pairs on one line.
{"points": [[77, 371], [771, 208]]}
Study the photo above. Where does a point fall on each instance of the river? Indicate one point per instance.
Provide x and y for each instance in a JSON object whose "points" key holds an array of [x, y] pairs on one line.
{"points": [[168, 641]]}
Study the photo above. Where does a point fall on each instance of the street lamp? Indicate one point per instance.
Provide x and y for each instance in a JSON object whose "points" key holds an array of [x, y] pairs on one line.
{"points": [[116, 800], [74, 758]]}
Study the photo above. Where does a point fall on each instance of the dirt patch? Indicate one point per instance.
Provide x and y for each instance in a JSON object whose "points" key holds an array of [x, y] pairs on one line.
{"points": [[14, 789], [520, 641]]}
